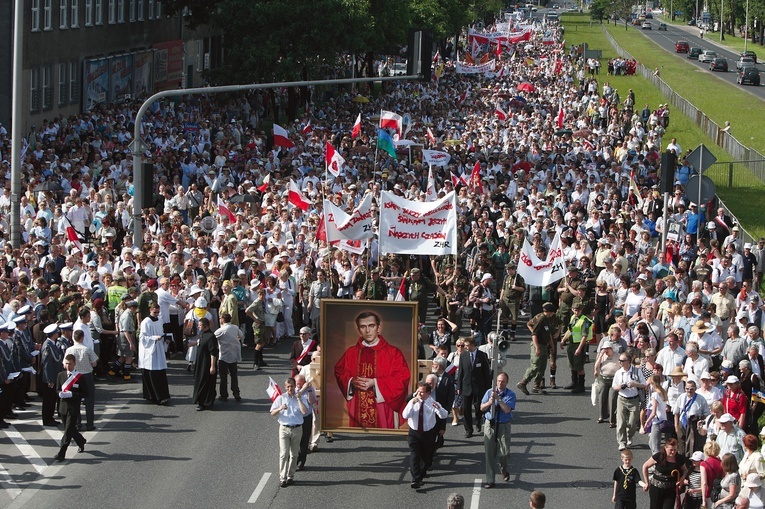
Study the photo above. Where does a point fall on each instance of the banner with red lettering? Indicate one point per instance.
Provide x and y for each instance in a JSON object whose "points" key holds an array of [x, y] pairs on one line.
{"points": [[542, 273], [354, 226], [414, 227]]}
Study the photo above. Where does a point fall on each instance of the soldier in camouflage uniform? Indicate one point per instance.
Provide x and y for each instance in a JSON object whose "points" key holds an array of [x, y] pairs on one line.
{"points": [[375, 288], [567, 290], [511, 296], [545, 331]]}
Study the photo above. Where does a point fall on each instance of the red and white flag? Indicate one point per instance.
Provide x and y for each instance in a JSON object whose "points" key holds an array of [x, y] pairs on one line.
{"points": [[559, 117], [475, 178], [451, 368], [321, 230], [403, 289], [431, 194], [264, 186], [500, 112], [273, 390], [282, 137], [431, 136], [356, 127], [436, 56], [308, 128], [392, 121], [73, 237], [295, 197], [225, 211], [462, 98], [334, 160]]}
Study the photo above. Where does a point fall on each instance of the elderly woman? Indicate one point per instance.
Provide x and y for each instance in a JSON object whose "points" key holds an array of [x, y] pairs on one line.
{"points": [[752, 491]]}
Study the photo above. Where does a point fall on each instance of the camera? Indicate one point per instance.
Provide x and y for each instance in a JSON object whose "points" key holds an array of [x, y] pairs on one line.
{"points": [[624, 386]]}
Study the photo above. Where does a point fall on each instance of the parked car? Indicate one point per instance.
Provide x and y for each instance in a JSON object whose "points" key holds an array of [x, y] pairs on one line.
{"points": [[707, 55], [646, 25], [682, 47], [745, 62], [692, 23], [662, 26], [750, 54], [719, 64], [748, 76], [694, 53]]}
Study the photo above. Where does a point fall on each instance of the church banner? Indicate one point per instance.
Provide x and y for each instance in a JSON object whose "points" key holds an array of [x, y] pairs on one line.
{"points": [[368, 365], [354, 226], [413, 227], [436, 157], [475, 69], [542, 273]]}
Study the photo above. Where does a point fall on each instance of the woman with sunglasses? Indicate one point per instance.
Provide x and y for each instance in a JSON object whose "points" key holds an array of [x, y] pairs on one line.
{"points": [[453, 359]]}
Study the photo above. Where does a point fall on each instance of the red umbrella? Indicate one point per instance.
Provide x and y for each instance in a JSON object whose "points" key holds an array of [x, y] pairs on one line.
{"points": [[526, 87]]}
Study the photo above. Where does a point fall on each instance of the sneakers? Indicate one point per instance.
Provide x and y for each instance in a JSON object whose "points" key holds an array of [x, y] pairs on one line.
{"points": [[522, 386]]}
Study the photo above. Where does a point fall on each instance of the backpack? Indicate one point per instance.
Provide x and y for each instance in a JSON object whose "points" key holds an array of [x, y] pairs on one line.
{"points": [[716, 487], [190, 328]]}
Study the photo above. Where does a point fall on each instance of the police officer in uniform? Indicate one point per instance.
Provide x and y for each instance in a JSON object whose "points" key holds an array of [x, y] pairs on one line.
{"points": [[375, 288], [545, 330], [511, 296], [575, 341]]}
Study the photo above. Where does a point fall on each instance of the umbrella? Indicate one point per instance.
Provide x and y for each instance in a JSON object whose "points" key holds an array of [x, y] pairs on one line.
{"points": [[561, 132], [243, 198], [452, 142], [360, 99], [526, 87], [49, 186], [582, 133], [520, 98]]}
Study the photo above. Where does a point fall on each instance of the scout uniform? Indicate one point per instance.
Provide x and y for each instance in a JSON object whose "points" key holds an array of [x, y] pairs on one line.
{"points": [[375, 289], [510, 298], [579, 330], [545, 328]]}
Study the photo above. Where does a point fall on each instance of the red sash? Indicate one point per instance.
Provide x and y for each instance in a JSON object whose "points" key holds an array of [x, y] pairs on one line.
{"points": [[305, 351], [70, 382]]}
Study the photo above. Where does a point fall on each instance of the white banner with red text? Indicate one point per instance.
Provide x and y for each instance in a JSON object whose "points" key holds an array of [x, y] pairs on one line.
{"points": [[354, 226], [542, 273], [414, 227]]}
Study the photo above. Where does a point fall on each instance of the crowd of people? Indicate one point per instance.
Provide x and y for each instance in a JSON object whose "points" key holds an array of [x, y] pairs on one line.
{"points": [[570, 158]]}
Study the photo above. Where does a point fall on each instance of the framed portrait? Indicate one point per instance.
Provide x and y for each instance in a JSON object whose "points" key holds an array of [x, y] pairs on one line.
{"points": [[368, 364]]}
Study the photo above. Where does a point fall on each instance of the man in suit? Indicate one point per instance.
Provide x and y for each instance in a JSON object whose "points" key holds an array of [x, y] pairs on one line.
{"points": [[70, 392], [443, 387], [300, 355], [474, 379]]}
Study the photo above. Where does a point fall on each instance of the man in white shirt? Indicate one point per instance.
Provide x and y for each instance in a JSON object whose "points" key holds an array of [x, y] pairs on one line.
{"points": [[671, 355], [626, 382], [421, 413]]}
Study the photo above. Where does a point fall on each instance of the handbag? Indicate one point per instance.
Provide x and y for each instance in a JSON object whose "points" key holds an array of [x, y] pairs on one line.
{"points": [[280, 317], [594, 393]]}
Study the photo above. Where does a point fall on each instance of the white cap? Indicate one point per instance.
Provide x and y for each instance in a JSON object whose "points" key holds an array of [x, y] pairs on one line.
{"points": [[732, 379], [486, 276], [726, 418], [201, 302]]}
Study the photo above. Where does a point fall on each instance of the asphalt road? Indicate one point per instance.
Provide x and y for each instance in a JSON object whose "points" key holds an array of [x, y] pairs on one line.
{"points": [[148, 456], [666, 39]]}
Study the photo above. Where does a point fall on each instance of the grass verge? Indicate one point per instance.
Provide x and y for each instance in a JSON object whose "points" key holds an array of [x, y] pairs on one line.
{"points": [[746, 203]]}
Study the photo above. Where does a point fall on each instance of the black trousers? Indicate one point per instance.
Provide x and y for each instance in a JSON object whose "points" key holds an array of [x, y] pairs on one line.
{"points": [[472, 404], [70, 431], [225, 369], [48, 402], [307, 428], [421, 447]]}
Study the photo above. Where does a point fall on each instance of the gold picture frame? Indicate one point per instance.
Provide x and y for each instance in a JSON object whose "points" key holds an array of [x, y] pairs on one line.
{"points": [[351, 410]]}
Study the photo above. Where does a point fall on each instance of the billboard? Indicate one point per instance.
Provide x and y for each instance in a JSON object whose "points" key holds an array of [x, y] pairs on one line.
{"points": [[120, 78], [95, 83]]}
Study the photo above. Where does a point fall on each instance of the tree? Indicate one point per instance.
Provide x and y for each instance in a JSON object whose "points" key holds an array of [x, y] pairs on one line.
{"points": [[599, 10]]}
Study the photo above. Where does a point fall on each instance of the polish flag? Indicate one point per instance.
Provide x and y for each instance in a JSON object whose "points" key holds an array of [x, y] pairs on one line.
{"points": [[281, 137], [295, 197], [273, 390], [559, 118], [392, 121], [264, 186], [500, 112], [321, 230], [334, 160], [225, 211], [403, 289], [436, 56], [308, 128], [72, 236], [356, 127], [431, 194], [475, 178], [451, 368], [462, 98], [588, 145], [455, 180], [431, 136]]}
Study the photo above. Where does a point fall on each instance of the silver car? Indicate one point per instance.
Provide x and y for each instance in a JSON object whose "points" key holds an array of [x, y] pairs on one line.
{"points": [[707, 56]]}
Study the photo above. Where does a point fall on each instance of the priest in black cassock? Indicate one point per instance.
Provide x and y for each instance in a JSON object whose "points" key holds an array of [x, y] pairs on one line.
{"points": [[205, 370]]}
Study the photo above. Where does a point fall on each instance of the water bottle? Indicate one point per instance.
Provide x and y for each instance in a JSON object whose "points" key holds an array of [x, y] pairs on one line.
{"points": [[391, 295]]}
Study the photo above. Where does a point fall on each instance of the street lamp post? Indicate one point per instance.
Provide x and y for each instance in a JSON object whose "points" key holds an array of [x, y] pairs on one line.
{"points": [[746, 24], [722, 20]]}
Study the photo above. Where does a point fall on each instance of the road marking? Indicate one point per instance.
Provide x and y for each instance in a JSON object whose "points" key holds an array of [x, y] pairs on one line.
{"points": [[476, 494], [50, 472], [7, 482], [54, 433], [26, 450], [259, 488]]}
